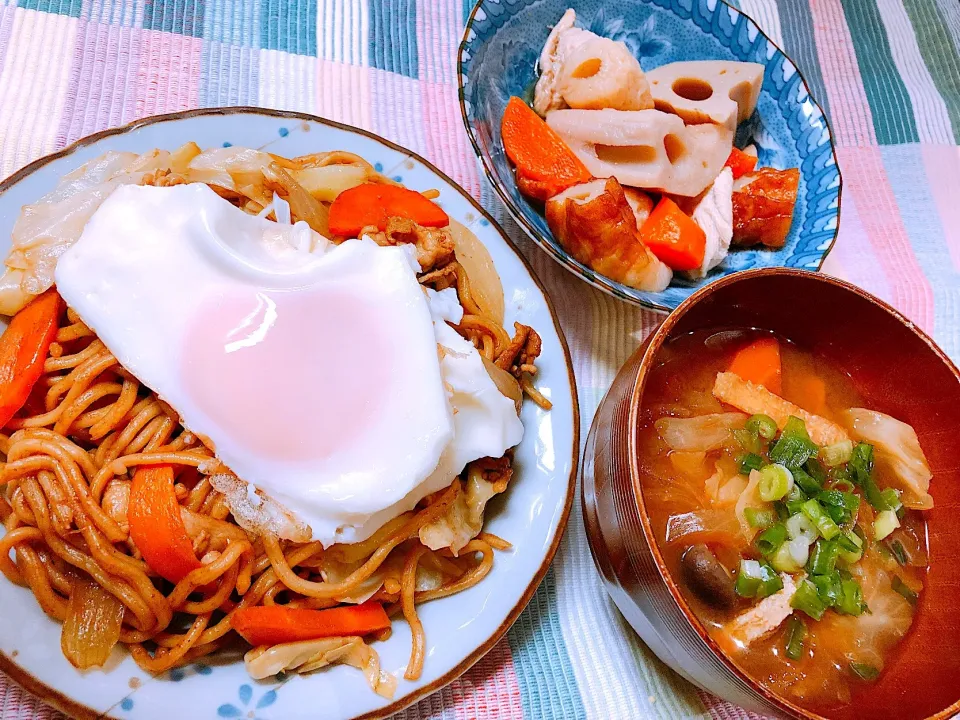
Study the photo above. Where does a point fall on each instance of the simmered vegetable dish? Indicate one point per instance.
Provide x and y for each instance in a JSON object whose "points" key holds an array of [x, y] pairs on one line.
{"points": [[790, 514]]}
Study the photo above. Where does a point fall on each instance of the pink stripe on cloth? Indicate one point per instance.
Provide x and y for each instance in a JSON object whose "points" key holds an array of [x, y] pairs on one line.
{"points": [[942, 163], [343, 93], [100, 89], [447, 144], [851, 118], [488, 690], [405, 127], [722, 710], [7, 13], [18, 704], [168, 74], [866, 179]]}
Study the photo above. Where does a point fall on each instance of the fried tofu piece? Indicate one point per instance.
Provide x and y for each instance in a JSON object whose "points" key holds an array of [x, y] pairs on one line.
{"points": [[763, 203], [755, 399]]}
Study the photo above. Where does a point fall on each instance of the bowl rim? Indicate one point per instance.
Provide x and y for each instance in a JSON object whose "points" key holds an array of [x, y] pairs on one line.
{"points": [[60, 700], [654, 345], [602, 282]]}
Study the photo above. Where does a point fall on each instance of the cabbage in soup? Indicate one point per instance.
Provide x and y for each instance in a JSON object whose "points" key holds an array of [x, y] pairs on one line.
{"points": [[789, 514]]}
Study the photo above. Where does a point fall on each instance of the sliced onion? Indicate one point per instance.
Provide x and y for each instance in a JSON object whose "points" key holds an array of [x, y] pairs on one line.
{"points": [[303, 206], [326, 182], [506, 383], [485, 284], [92, 625]]}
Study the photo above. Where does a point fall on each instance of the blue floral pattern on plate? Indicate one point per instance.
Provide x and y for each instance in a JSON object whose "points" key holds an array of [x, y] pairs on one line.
{"points": [[498, 59]]}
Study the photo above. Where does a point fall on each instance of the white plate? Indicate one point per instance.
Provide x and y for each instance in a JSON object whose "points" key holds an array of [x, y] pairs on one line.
{"points": [[459, 629]]}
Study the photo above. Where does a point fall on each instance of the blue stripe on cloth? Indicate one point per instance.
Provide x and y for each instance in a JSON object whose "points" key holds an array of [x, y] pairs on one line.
{"points": [[184, 17], [236, 22], [229, 75], [289, 25], [393, 36], [541, 661], [801, 47], [908, 177], [60, 7]]}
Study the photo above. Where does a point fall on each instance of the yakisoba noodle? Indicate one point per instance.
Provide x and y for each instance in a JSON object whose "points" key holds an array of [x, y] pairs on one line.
{"points": [[70, 454]]}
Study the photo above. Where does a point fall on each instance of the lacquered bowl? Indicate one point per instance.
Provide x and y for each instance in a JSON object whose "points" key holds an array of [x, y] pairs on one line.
{"points": [[898, 370]]}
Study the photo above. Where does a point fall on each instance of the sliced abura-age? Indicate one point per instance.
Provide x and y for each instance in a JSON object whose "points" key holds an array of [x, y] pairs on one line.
{"points": [[724, 92], [645, 148], [752, 399], [763, 203], [595, 224]]}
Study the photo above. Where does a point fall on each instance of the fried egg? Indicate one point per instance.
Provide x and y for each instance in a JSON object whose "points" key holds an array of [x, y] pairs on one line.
{"points": [[322, 375]]}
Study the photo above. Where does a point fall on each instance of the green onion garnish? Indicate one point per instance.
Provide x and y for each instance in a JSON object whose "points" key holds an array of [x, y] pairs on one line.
{"points": [[898, 552], [771, 582], [843, 485], [749, 578], [840, 506], [806, 599], [763, 425], [901, 587], [770, 540], [749, 441], [850, 601], [760, 518], [799, 525], [891, 499], [806, 482], [816, 470], [829, 588], [750, 461], [824, 557], [851, 547], [791, 556], [837, 454], [795, 500], [864, 671], [796, 632], [825, 524], [794, 447], [775, 482], [885, 523]]}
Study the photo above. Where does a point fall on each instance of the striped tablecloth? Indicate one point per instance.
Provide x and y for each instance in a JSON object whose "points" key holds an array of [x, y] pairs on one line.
{"points": [[886, 71]]}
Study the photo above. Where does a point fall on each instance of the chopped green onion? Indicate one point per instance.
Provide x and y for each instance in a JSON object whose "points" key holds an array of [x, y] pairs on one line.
{"points": [[898, 552], [864, 671], [885, 523], [891, 499], [775, 482], [763, 425], [800, 525], [829, 588], [781, 509], [843, 485], [750, 461], [824, 557], [837, 454], [850, 601], [791, 556], [749, 441], [760, 518], [749, 578], [796, 632], [860, 464], [840, 506], [901, 587], [825, 524], [770, 540], [851, 547], [771, 581], [806, 599], [794, 447], [816, 470], [795, 500], [806, 482]]}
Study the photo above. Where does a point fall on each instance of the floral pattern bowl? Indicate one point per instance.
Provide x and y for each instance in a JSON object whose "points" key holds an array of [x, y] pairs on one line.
{"points": [[498, 59], [459, 629]]}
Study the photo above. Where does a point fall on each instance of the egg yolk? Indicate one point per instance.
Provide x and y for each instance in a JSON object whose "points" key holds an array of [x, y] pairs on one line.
{"points": [[292, 375]]}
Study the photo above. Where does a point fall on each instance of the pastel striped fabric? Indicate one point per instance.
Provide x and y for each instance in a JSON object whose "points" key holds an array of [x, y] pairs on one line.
{"points": [[886, 71]]}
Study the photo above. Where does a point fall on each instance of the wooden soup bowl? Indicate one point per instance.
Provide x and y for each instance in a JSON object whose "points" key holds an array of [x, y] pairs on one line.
{"points": [[898, 370]]}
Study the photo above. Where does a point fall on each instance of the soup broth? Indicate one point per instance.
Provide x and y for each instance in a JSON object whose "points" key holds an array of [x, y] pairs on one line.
{"points": [[812, 608]]}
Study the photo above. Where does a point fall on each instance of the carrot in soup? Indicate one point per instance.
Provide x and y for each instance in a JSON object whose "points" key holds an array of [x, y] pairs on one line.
{"points": [[759, 363]]}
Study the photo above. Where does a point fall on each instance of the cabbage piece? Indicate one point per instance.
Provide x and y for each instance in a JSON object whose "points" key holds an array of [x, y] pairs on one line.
{"points": [[463, 520], [699, 434], [896, 445], [706, 526], [749, 498]]}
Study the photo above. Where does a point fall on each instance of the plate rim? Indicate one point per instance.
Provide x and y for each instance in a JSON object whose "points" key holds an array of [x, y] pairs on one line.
{"points": [[64, 703], [535, 234]]}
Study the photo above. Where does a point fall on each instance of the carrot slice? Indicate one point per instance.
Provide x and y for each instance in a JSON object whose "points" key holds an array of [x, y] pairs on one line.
{"points": [[24, 346], [538, 152], [740, 162], [674, 237], [156, 527], [372, 203], [275, 624], [759, 363]]}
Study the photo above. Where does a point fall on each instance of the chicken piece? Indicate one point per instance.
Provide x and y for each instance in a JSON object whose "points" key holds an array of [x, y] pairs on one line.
{"points": [[594, 223], [763, 203], [756, 399], [764, 617], [713, 212], [641, 204], [645, 148], [707, 91], [601, 73], [562, 39]]}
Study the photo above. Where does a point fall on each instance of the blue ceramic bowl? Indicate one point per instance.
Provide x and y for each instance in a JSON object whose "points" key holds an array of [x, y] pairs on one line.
{"points": [[498, 58]]}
